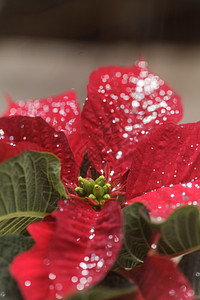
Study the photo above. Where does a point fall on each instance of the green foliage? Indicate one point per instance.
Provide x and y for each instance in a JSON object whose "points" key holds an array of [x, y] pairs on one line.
{"points": [[180, 233], [137, 235], [10, 246], [30, 187], [190, 267]]}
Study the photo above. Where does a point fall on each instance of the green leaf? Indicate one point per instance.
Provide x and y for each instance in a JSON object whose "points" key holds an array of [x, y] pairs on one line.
{"points": [[137, 235], [114, 285], [30, 187], [10, 246], [190, 267], [180, 233]]}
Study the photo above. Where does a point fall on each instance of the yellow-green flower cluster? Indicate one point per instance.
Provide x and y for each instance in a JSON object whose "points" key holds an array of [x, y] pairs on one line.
{"points": [[97, 190]]}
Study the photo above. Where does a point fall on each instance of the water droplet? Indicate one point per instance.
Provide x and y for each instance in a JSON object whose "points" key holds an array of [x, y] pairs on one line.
{"points": [[172, 292], [80, 287], [83, 280], [59, 296], [116, 239], [83, 265], [52, 276], [96, 258], [85, 272], [108, 253], [91, 236], [154, 246], [46, 262], [13, 111], [128, 128], [183, 288], [27, 283], [51, 286], [100, 263], [86, 258], [118, 74], [59, 286], [119, 155], [190, 293], [112, 173], [74, 279]]}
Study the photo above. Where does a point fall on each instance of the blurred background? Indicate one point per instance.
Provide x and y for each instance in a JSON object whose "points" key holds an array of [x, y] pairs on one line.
{"points": [[50, 46]]}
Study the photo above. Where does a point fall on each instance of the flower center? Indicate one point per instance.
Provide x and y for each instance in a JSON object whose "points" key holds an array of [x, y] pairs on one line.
{"points": [[95, 192]]}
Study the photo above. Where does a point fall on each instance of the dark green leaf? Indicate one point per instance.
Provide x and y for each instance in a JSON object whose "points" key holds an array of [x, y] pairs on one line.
{"points": [[137, 235], [180, 233], [114, 285], [30, 187], [190, 267], [10, 246]]}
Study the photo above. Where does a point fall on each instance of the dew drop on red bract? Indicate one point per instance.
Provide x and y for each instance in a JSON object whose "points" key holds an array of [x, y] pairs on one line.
{"points": [[18, 134], [165, 169], [62, 112], [76, 254], [123, 104]]}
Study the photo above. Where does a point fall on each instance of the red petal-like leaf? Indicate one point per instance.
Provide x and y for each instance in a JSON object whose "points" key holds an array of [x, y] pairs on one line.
{"points": [[163, 201], [42, 232], [62, 112], [123, 103], [78, 254], [26, 133], [30, 265], [167, 165], [158, 278], [7, 151]]}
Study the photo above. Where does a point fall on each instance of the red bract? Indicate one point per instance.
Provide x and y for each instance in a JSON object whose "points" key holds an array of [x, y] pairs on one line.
{"points": [[158, 278], [165, 169], [61, 112], [123, 104], [18, 134], [71, 253]]}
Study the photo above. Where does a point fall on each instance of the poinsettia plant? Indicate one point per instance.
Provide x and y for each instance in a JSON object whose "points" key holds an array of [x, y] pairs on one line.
{"points": [[97, 204]]}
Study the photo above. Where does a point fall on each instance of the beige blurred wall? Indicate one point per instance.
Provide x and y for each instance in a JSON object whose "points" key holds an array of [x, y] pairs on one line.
{"points": [[34, 68]]}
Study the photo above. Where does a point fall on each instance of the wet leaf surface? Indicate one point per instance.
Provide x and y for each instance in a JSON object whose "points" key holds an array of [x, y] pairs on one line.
{"points": [[180, 232], [30, 188], [123, 104], [190, 267], [62, 112], [113, 285], [137, 235], [26, 133], [79, 248], [165, 169], [158, 278], [10, 246]]}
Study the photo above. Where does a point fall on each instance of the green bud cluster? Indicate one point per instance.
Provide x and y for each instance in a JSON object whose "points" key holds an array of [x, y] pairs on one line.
{"points": [[97, 190]]}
